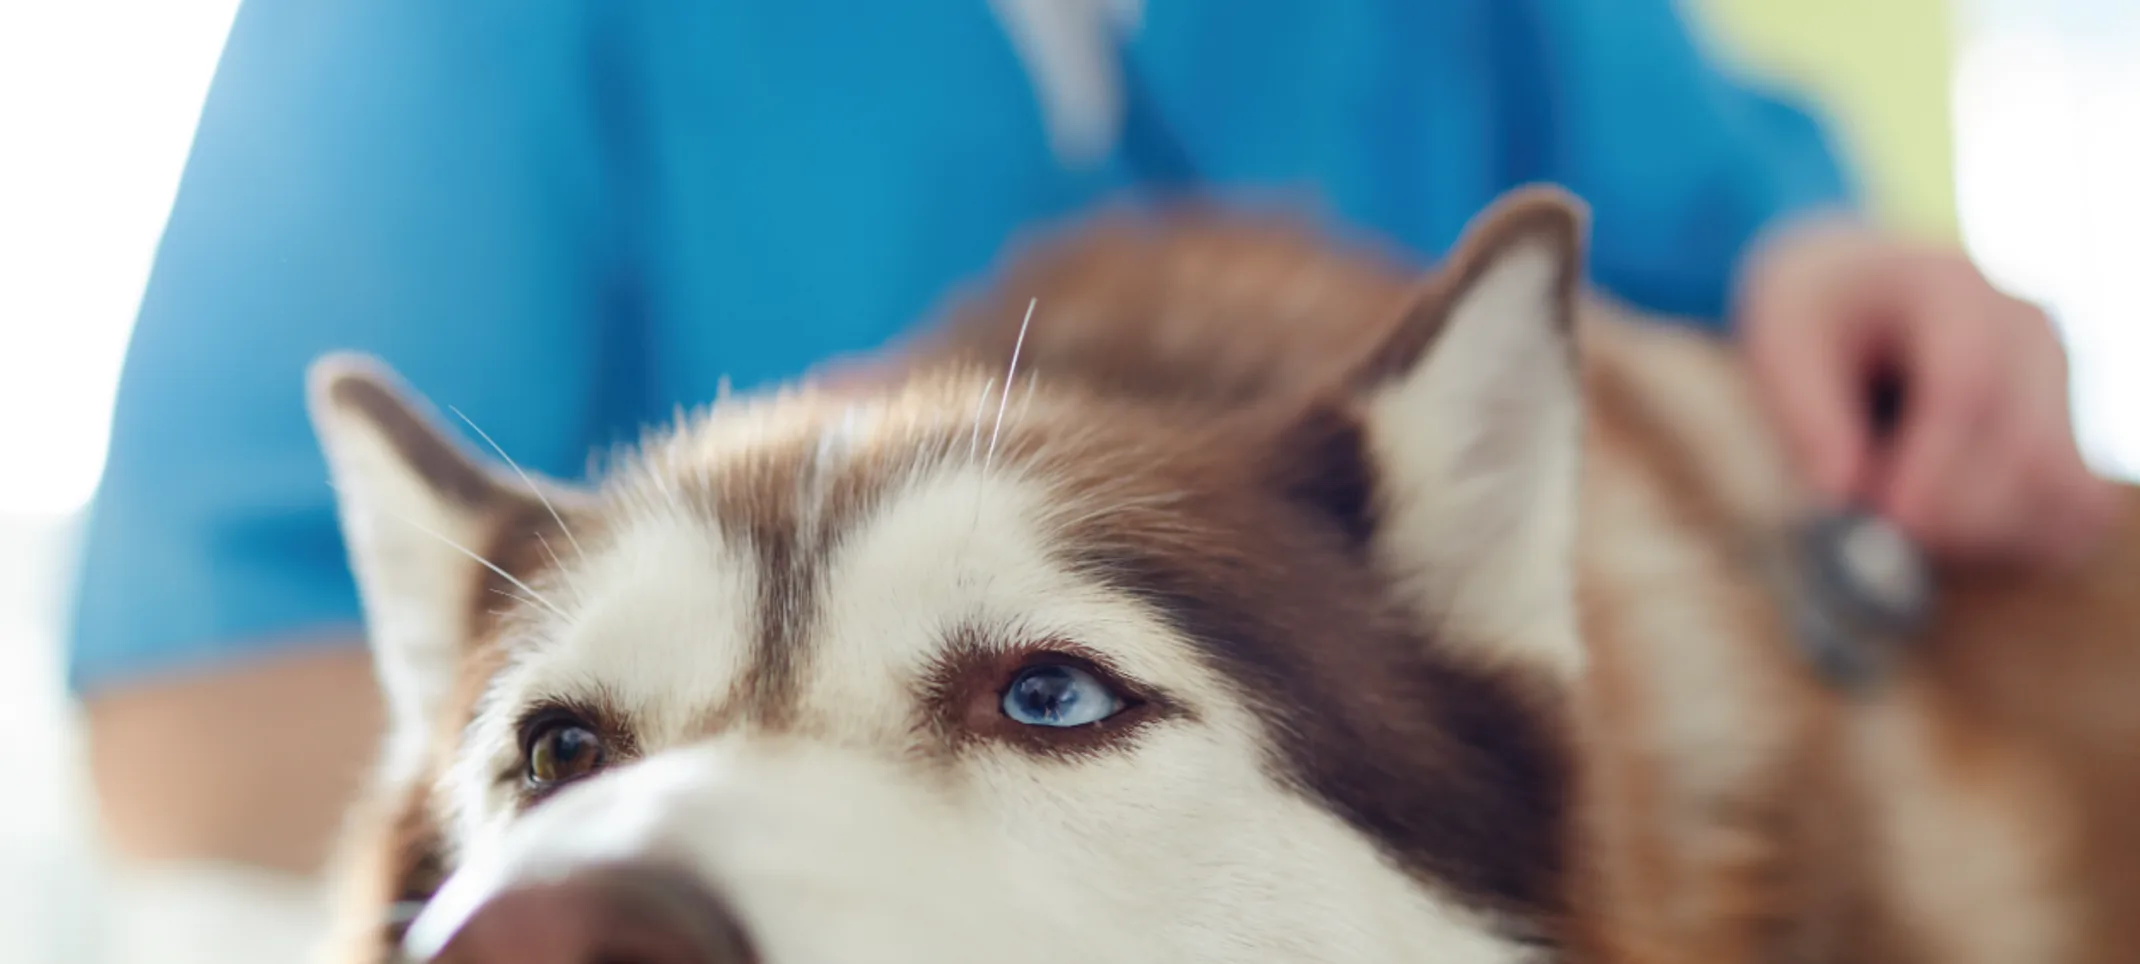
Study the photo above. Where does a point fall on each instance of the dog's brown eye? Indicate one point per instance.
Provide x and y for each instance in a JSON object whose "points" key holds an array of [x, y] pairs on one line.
{"points": [[563, 750]]}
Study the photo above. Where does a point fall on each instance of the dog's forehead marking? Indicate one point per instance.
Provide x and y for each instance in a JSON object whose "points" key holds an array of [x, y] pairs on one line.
{"points": [[976, 556], [839, 563]]}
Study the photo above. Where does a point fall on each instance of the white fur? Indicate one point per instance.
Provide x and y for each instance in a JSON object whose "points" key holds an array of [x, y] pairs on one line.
{"points": [[1182, 847], [1478, 449], [656, 618]]}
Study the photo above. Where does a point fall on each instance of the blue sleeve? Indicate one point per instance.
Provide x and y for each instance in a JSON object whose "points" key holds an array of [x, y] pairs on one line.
{"points": [[418, 179], [1682, 163]]}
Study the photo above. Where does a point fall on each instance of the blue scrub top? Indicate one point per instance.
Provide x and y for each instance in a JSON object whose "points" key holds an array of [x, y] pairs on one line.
{"points": [[565, 217]]}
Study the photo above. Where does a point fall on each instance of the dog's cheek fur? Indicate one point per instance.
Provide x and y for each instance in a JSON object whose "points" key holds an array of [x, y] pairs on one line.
{"points": [[1455, 767], [1458, 772]]}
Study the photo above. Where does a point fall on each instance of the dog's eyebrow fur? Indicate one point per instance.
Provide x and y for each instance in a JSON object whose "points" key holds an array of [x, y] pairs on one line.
{"points": [[789, 506]]}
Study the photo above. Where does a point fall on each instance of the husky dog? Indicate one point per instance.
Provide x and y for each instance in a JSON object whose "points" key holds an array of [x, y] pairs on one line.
{"points": [[1205, 590]]}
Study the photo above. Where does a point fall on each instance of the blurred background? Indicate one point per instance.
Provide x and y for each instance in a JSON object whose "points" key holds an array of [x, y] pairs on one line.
{"points": [[2012, 126]]}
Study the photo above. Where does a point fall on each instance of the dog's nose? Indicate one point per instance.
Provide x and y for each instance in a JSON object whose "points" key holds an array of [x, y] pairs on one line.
{"points": [[609, 915]]}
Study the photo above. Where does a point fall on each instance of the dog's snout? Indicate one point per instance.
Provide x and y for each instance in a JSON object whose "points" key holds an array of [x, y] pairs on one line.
{"points": [[609, 915]]}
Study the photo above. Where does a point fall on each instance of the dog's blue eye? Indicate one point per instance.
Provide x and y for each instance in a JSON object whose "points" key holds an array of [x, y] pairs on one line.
{"points": [[1058, 696]]}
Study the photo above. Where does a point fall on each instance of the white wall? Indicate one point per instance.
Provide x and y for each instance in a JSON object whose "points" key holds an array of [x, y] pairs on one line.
{"points": [[97, 103], [2047, 175]]}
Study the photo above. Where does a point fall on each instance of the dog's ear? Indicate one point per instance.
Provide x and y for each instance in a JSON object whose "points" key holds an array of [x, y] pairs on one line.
{"points": [[1473, 415], [430, 529]]}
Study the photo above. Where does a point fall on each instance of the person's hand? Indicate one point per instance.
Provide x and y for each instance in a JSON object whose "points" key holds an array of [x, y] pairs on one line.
{"points": [[1982, 464]]}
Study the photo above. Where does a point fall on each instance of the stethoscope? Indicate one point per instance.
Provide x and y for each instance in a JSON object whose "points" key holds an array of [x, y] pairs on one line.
{"points": [[1858, 588]]}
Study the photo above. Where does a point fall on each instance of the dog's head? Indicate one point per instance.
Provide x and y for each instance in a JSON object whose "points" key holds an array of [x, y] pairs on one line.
{"points": [[981, 666]]}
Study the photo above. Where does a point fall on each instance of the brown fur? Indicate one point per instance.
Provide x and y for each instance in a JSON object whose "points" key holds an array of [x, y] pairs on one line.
{"points": [[1217, 355]]}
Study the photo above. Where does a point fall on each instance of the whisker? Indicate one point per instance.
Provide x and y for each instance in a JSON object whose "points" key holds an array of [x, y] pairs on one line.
{"points": [[1009, 379], [973, 445], [537, 598], [973, 452], [544, 541], [509, 594], [530, 483]]}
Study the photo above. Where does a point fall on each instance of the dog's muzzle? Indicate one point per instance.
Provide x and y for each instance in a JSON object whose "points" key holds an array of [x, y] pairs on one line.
{"points": [[633, 913]]}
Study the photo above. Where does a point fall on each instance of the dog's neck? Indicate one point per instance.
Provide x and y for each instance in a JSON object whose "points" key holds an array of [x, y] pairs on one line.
{"points": [[1737, 806], [1693, 710]]}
